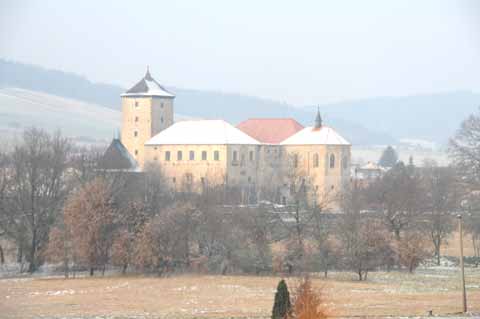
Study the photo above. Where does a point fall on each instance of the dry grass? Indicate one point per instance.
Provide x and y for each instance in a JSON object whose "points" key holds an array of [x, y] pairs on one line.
{"points": [[232, 296]]}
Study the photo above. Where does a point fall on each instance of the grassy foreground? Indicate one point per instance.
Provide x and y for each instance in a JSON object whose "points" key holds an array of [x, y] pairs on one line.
{"points": [[384, 294]]}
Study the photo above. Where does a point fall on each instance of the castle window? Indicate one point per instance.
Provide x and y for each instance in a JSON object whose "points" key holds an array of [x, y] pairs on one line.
{"points": [[250, 155], [216, 155], [295, 160], [161, 119], [179, 155], [315, 160], [167, 156], [235, 156], [204, 155], [202, 179], [135, 133], [136, 152], [136, 103], [332, 161], [136, 118], [191, 155], [161, 105], [189, 178]]}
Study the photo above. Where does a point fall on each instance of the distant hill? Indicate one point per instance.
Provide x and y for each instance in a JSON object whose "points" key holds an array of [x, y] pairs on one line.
{"points": [[375, 121], [21, 108], [433, 117]]}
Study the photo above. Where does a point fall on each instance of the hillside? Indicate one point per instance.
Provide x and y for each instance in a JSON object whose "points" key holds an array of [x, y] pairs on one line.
{"points": [[191, 103], [433, 117], [374, 121], [20, 108]]}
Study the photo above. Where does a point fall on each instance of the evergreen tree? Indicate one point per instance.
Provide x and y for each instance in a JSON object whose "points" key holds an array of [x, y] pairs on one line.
{"points": [[389, 157], [282, 305]]}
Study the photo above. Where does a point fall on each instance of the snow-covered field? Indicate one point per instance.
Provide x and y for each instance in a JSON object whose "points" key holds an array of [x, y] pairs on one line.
{"points": [[385, 295]]}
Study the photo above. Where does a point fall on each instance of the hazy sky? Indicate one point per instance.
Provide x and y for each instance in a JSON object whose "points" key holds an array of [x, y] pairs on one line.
{"points": [[294, 51]]}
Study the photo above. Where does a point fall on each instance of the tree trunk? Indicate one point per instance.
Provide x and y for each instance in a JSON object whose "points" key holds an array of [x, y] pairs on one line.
{"points": [[124, 269], [92, 270], [20, 253], [437, 252], [411, 267], [33, 252], [2, 256], [360, 275], [397, 234]]}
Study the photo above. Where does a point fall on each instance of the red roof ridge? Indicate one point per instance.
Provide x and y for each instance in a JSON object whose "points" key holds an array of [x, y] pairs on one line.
{"points": [[270, 130]]}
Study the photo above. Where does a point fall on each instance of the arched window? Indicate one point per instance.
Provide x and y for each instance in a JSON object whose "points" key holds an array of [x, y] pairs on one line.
{"points": [[295, 160], [167, 156], [216, 155], [332, 161], [192, 155], [235, 156], [315, 160], [204, 155], [179, 155]]}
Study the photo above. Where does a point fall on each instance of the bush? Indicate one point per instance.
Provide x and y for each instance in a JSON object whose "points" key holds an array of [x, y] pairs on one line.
{"points": [[308, 303]]}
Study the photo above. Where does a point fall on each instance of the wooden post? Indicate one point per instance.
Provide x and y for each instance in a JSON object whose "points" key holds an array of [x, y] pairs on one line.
{"points": [[462, 268]]}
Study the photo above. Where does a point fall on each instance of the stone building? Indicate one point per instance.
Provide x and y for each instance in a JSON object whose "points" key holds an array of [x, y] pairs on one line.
{"points": [[271, 157]]}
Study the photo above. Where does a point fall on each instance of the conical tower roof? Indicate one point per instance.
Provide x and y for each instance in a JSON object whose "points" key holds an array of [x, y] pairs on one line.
{"points": [[147, 86]]}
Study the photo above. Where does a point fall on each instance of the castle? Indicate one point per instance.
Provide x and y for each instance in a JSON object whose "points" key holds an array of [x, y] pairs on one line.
{"points": [[260, 156]]}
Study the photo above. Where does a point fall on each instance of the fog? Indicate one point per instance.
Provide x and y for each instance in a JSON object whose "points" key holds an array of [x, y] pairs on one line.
{"points": [[300, 53]]}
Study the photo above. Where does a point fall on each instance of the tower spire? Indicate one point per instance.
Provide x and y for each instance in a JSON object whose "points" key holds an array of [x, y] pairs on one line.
{"points": [[147, 75], [318, 119]]}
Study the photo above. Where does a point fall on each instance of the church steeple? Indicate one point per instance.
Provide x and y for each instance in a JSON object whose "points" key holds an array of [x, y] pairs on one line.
{"points": [[318, 120]]}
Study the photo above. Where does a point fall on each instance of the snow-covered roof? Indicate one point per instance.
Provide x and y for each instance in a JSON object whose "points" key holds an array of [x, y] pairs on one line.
{"points": [[201, 132], [148, 87], [316, 136]]}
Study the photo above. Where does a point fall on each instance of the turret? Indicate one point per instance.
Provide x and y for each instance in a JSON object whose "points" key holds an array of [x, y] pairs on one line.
{"points": [[147, 109]]}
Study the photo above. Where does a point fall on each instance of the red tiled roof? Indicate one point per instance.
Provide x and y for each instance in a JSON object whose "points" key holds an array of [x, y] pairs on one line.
{"points": [[270, 130]]}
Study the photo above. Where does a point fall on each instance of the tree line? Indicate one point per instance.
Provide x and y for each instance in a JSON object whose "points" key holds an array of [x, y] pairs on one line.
{"points": [[58, 205]]}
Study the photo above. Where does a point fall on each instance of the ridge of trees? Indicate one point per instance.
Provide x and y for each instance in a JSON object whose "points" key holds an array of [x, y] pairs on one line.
{"points": [[57, 205]]}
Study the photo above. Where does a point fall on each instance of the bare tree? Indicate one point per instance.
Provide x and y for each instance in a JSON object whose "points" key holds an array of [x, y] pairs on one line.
{"points": [[442, 199], [398, 197], [412, 250], [465, 151], [34, 192], [365, 244]]}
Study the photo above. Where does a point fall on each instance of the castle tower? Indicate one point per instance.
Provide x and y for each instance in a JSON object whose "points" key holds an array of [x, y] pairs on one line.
{"points": [[147, 109]]}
